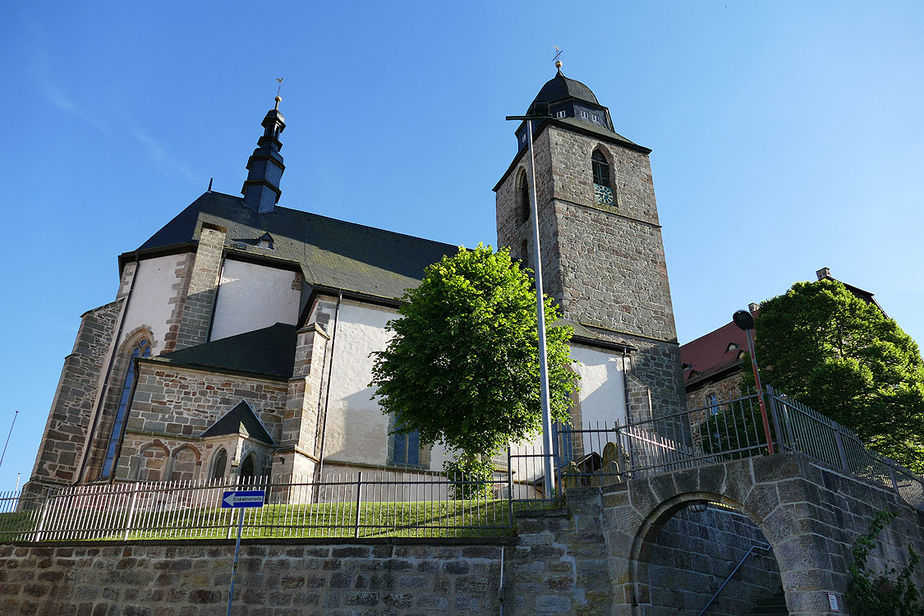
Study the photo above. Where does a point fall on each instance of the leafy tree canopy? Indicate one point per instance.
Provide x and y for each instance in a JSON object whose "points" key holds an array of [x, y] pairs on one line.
{"points": [[463, 365], [846, 359]]}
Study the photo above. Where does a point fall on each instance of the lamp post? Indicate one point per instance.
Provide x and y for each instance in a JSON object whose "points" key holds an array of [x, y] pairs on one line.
{"points": [[745, 322], [540, 111]]}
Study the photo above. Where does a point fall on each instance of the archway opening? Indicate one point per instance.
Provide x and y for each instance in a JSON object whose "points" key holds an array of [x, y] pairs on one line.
{"points": [[249, 466], [706, 554]]}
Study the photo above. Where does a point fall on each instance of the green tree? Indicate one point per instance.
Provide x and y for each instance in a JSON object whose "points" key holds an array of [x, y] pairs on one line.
{"points": [[843, 357], [463, 366], [885, 593]]}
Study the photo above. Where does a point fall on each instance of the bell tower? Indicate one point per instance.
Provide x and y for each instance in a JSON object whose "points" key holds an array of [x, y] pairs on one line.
{"points": [[602, 252]]}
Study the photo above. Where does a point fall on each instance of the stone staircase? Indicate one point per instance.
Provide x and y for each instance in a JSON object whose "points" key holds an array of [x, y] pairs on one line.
{"points": [[773, 605]]}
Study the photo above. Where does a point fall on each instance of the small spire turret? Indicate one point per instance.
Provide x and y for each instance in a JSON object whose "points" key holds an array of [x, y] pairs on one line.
{"points": [[265, 166]]}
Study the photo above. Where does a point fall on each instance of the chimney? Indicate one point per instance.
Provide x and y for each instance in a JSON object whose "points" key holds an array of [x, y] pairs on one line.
{"points": [[753, 307], [823, 273]]}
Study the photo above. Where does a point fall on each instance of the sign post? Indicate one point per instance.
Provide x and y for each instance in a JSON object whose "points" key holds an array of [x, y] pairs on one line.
{"points": [[240, 499]]}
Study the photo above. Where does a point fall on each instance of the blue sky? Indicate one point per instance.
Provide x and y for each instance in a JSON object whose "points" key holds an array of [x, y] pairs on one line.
{"points": [[786, 136]]}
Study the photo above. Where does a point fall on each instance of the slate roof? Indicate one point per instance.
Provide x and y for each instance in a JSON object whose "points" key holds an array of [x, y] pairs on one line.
{"points": [[330, 253], [239, 420], [265, 352], [560, 87]]}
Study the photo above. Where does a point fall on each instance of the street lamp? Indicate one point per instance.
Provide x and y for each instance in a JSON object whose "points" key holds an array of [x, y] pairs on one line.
{"points": [[540, 111], [745, 322]]}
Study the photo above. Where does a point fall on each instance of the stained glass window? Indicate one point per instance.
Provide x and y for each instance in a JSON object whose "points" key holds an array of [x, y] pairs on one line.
{"points": [[142, 349]]}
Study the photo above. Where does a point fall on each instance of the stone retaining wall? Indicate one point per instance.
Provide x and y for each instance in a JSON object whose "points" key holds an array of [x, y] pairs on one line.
{"points": [[556, 565]]}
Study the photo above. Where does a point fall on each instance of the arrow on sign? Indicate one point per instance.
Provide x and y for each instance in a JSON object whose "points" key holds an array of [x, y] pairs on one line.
{"points": [[242, 498]]}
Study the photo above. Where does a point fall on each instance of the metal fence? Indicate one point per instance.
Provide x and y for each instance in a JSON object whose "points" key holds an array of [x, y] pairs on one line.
{"points": [[604, 454], [800, 428], [361, 504], [409, 503]]}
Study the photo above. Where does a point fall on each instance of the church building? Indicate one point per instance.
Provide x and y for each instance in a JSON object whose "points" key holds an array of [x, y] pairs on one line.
{"points": [[239, 340]]}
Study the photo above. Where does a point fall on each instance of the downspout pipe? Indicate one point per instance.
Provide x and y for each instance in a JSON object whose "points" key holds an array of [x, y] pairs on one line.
{"points": [[330, 372]]}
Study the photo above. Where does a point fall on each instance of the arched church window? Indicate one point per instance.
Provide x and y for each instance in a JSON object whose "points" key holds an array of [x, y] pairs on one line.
{"points": [[603, 186], [522, 198], [219, 464], [141, 349]]}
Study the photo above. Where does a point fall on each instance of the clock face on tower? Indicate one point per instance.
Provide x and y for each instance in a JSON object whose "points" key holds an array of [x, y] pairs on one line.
{"points": [[603, 195]]}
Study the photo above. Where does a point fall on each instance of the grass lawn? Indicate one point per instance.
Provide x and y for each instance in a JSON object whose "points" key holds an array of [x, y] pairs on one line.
{"points": [[453, 518]]}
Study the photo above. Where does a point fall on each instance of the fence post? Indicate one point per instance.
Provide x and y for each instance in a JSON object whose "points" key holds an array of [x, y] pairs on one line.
{"points": [[509, 487], [37, 536], [841, 453], [359, 491], [775, 417], [894, 480], [131, 511], [629, 448]]}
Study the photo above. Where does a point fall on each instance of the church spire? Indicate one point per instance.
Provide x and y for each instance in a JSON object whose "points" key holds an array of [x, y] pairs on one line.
{"points": [[265, 167]]}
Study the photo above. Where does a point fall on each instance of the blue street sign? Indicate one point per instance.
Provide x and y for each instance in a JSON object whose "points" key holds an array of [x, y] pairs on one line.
{"points": [[238, 499]]}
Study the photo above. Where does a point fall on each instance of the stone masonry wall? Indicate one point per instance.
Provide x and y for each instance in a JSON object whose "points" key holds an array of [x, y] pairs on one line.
{"points": [[198, 305], [177, 404], [70, 416], [604, 265], [810, 514], [724, 389], [605, 555], [555, 565], [694, 553], [278, 579]]}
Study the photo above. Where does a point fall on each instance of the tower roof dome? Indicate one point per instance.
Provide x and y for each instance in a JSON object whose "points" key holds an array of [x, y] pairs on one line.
{"points": [[560, 87]]}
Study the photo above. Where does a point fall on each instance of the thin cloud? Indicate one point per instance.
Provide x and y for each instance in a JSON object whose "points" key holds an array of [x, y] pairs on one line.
{"points": [[42, 72], [158, 154]]}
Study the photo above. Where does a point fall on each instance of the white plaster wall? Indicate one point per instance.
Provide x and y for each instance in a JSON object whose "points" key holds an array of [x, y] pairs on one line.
{"points": [[356, 427], [149, 304], [601, 395], [602, 388], [254, 296]]}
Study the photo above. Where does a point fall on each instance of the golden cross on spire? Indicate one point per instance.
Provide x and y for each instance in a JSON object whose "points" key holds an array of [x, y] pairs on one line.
{"points": [[278, 90]]}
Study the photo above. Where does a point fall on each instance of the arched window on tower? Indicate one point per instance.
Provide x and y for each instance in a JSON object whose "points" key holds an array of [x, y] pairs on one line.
{"points": [[522, 198], [141, 349], [603, 183]]}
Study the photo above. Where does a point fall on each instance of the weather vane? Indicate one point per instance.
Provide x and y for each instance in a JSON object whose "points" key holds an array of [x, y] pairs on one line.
{"points": [[558, 53]]}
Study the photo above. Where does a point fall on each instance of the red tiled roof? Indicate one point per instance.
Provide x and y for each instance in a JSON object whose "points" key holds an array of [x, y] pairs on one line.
{"points": [[710, 354]]}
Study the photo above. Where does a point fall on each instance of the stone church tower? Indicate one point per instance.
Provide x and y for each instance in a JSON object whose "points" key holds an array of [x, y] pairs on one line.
{"points": [[602, 253]]}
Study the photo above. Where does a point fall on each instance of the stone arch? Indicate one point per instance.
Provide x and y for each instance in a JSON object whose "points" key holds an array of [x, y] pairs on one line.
{"points": [[153, 461], [769, 490], [651, 526], [184, 463]]}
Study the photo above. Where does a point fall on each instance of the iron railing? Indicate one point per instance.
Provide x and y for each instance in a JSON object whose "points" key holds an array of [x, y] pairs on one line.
{"points": [[728, 430], [429, 504], [361, 504]]}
